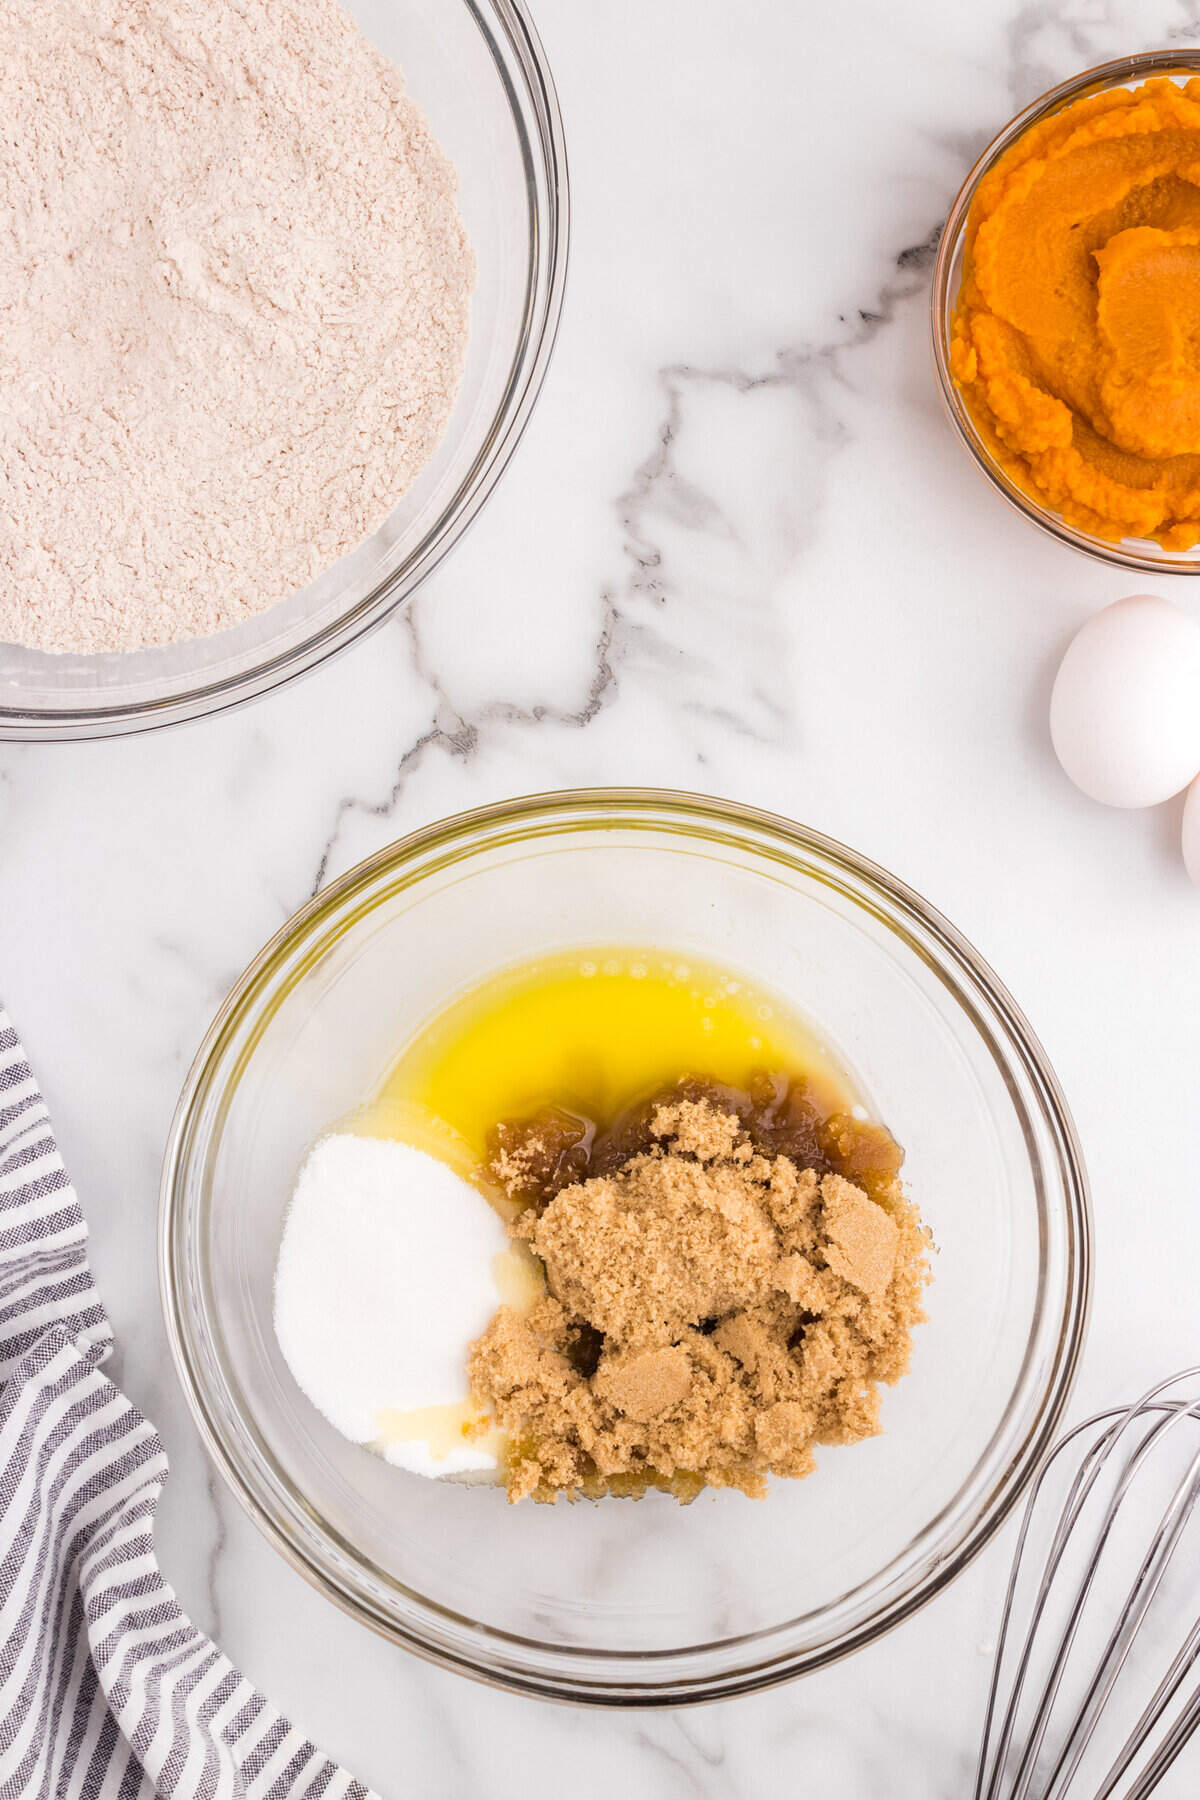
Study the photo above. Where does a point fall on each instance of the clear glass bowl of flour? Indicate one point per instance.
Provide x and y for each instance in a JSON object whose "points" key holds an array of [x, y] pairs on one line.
{"points": [[478, 72], [646, 1602]]}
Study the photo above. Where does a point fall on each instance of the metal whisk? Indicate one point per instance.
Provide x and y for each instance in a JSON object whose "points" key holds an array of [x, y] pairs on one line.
{"points": [[1095, 1690]]}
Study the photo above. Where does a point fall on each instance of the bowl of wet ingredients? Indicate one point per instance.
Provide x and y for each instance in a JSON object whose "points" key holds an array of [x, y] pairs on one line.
{"points": [[624, 1246]]}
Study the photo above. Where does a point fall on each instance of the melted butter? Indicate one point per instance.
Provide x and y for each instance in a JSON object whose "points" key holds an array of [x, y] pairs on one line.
{"points": [[593, 1030], [392, 1115], [441, 1428], [518, 1276]]}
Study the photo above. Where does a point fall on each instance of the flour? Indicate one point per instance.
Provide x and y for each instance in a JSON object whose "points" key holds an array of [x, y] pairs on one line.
{"points": [[234, 296]]}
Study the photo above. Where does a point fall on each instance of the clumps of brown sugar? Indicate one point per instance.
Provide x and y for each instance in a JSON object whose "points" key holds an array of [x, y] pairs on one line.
{"points": [[713, 1312]]}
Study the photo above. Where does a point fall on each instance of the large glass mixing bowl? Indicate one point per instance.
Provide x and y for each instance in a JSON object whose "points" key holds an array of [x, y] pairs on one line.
{"points": [[478, 72], [647, 1602]]}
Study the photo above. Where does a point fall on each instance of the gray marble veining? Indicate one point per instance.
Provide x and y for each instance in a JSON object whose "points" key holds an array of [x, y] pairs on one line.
{"points": [[739, 550]]}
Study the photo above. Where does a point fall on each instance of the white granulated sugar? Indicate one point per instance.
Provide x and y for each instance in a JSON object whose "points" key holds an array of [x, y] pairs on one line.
{"points": [[234, 296], [385, 1277]]}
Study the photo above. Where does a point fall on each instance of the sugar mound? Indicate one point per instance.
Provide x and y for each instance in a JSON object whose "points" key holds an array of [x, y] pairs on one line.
{"points": [[385, 1276]]}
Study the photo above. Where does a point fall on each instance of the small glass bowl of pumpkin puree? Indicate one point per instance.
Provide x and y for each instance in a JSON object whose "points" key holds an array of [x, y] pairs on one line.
{"points": [[1066, 312]]}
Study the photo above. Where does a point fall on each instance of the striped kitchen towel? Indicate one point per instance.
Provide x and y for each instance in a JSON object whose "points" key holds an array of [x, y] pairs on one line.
{"points": [[107, 1689]]}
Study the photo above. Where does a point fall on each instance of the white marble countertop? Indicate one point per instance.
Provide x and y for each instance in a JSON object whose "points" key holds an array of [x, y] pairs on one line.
{"points": [[739, 551]]}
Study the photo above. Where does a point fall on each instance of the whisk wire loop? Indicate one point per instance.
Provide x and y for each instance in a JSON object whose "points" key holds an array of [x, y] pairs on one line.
{"points": [[1137, 1603], [1044, 1714], [1081, 1487]]}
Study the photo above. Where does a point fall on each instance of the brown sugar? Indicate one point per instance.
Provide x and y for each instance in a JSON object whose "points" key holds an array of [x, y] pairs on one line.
{"points": [[862, 1238], [658, 1246], [714, 1308]]}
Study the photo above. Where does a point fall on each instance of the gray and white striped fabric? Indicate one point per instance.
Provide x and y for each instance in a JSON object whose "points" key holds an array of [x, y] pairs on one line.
{"points": [[107, 1689]]}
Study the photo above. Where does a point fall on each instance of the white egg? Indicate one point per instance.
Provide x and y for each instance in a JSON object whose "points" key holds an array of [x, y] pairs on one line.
{"points": [[1125, 710], [1191, 832]]}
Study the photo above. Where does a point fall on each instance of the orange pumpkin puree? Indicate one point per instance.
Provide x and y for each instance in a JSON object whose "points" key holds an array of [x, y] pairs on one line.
{"points": [[1076, 338]]}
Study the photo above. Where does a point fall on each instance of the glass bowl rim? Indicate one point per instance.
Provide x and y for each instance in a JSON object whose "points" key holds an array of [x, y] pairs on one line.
{"points": [[763, 834], [1123, 553], [523, 70]]}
